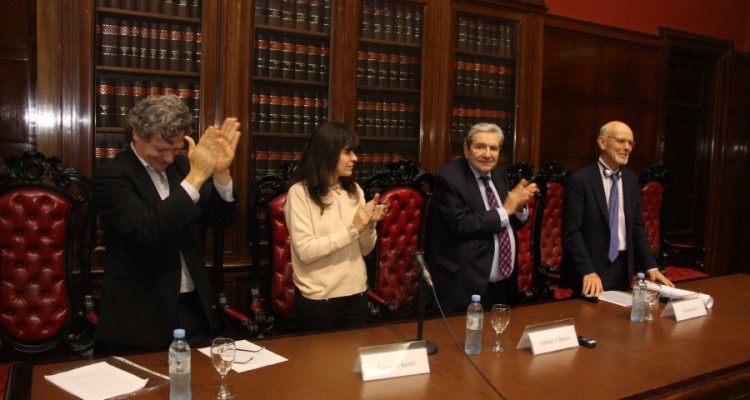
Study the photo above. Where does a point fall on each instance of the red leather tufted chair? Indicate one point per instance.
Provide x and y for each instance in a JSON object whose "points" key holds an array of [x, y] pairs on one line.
{"points": [[282, 285], [393, 275], [547, 240], [45, 233], [527, 289], [654, 182], [270, 246]]}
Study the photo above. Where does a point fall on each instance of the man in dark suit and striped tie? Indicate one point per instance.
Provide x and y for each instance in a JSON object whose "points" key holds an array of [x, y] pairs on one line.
{"points": [[473, 246]]}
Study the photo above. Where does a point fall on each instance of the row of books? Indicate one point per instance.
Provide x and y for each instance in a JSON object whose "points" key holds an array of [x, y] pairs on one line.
{"points": [[269, 160], [179, 8], [392, 70], [465, 117], [483, 79], [276, 111], [394, 22], [115, 97], [311, 15], [476, 34], [377, 116], [278, 56], [146, 44]]}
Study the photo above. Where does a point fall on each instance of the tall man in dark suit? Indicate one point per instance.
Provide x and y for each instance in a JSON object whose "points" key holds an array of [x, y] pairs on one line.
{"points": [[472, 247], [593, 259], [153, 203]]}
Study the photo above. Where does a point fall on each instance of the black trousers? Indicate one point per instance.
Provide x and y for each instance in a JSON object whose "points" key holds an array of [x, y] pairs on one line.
{"points": [[616, 276], [335, 313]]}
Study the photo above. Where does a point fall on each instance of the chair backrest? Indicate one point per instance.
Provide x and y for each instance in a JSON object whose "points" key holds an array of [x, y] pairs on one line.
{"points": [[547, 240], [393, 275], [46, 222], [654, 182], [282, 285], [525, 257], [271, 243]]}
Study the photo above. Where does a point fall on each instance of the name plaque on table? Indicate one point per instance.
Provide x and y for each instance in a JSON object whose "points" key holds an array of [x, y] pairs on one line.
{"points": [[392, 360], [549, 336], [685, 308]]}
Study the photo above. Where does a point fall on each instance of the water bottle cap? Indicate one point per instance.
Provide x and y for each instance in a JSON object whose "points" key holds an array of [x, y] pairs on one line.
{"points": [[641, 275], [179, 333], [475, 298]]}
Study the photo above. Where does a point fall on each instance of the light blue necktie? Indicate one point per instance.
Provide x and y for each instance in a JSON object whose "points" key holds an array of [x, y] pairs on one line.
{"points": [[614, 205]]}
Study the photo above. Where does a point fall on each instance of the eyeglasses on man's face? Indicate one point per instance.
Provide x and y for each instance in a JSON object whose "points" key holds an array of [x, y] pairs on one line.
{"points": [[621, 141]]}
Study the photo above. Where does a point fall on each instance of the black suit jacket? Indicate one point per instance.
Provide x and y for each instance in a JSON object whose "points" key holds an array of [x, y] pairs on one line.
{"points": [[585, 224], [144, 236], [462, 241]]}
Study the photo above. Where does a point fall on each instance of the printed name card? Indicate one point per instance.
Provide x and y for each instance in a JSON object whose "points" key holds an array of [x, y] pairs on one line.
{"points": [[392, 360], [549, 337], [685, 308]]}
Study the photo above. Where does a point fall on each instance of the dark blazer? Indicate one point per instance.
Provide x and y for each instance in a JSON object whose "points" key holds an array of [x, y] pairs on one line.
{"points": [[144, 236], [585, 225], [461, 241]]}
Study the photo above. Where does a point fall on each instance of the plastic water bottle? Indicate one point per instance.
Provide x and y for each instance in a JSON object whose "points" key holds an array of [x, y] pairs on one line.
{"points": [[638, 310], [179, 367], [474, 325]]}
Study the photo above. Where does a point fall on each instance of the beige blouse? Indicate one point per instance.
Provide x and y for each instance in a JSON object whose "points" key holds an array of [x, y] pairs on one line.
{"points": [[327, 260]]}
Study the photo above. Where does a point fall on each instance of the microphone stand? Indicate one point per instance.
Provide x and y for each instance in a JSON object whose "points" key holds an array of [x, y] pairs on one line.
{"points": [[429, 345]]}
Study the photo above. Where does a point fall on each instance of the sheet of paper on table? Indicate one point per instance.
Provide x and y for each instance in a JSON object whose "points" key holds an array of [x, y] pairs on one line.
{"points": [[97, 381], [624, 299], [253, 357]]}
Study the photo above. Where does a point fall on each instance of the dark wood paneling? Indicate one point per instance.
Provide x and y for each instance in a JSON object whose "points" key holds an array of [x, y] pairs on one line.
{"points": [[593, 75], [17, 50], [630, 71], [571, 61], [735, 207], [566, 114]]}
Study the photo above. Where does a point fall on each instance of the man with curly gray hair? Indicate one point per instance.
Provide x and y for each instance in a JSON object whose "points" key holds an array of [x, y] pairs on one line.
{"points": [[153, 202]]}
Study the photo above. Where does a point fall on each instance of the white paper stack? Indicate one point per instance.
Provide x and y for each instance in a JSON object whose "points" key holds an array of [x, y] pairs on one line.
{"points": [[674, 293]]}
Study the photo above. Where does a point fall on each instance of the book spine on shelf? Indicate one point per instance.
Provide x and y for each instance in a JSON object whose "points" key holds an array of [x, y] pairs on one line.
{"points": [[123, 102], [105, 102], [287, 13], [197, 123], [313, 62], [417, 28], [195, 8], [182, 8], [325, 17], [168, 7], [274, 12], [274, 57], [365, 27], [314, 20], [261, 12], [298, 109], [287, 58], [154, 6], [301, 12], [324, 60], [163, 46], [110, 31], [175, 47]]}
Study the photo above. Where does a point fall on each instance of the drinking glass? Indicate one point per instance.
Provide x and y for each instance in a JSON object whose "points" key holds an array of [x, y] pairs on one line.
{"points": [[222, 355], [499, 318], [652, 299]]}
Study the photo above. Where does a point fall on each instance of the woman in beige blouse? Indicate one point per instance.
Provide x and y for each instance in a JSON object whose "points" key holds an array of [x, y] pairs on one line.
{"points": [[331, 229]]}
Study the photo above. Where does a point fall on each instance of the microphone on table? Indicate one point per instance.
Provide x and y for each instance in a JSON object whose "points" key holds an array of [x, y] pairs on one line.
{"points": [[419, 259], [432, 347]]}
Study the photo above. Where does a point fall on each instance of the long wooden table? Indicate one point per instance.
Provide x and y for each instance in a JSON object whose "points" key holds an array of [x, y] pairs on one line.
{"points": [[706, 356]]}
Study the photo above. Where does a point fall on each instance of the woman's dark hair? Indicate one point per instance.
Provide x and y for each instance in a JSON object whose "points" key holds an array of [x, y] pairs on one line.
{"points": [[320, 158]]}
